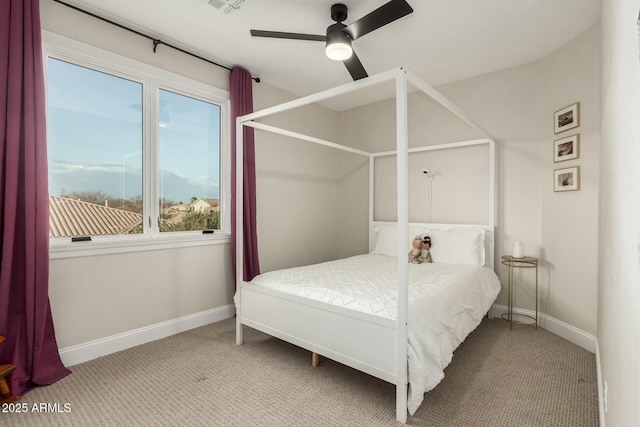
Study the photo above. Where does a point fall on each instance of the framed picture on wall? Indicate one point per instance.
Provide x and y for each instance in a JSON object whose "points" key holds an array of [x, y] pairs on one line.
{"points": [[566, 148], [567, 179], [567, 118]]}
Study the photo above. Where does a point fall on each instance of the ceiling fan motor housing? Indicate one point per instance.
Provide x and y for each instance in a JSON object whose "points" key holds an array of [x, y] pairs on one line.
{"points": [[339, 12], [335, 31]]}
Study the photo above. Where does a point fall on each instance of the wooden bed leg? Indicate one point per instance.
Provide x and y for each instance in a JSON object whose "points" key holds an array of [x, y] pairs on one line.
{"points": [[315, 359]]}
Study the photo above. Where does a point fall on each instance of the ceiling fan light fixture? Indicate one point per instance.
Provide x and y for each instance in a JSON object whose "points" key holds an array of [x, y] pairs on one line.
{"points": [[338, 46], [339, 51]]}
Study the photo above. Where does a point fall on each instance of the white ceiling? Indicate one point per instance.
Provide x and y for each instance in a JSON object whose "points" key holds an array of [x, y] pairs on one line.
{"points": [[442, 41]]}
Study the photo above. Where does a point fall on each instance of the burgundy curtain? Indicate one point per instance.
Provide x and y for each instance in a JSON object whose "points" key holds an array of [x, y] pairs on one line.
{"points": [[241, 104], [25, 314]]}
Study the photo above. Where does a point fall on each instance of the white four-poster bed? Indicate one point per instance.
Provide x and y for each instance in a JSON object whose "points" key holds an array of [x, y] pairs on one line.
{"points": [[367, 341]]}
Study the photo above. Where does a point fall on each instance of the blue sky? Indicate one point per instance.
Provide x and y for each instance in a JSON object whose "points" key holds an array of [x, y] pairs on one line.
{"points": [[95, 137]]}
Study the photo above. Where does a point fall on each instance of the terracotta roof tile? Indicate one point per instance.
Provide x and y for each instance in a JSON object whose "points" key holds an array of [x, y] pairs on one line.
{"points": [[69, 218]]}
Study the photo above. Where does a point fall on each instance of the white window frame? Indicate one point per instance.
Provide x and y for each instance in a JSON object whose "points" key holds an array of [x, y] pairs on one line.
{"points": [[153, 79]]}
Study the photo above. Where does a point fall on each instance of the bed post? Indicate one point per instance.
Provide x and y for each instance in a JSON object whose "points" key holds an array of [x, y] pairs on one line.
{"points": [[492, 198], [403, 230], [239, 227], [371, 193], [492, 211]]}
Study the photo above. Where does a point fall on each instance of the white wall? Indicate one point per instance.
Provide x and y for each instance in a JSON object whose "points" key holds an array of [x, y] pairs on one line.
{"points": [[297, 186], [569, 220], [619, 231], [516, 107], [464, 170], [97, 297]]}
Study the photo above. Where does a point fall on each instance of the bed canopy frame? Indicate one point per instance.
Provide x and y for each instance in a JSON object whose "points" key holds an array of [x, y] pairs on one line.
{"points": [[397, 374]]}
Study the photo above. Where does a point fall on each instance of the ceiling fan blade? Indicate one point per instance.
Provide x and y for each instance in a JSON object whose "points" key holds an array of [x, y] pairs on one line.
{"points": [[385, 14], [292, 36], [355, 67]]}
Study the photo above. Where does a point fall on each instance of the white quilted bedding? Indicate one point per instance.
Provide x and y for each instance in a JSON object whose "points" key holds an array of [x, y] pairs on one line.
{"points": [[446, 302]]}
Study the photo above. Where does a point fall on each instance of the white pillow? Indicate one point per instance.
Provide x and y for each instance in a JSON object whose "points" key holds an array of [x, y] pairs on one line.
{"points": [[386, 240], [463, 246]]}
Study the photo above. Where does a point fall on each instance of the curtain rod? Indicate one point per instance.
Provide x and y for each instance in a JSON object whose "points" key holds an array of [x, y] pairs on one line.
{"points": [[156, 42]]}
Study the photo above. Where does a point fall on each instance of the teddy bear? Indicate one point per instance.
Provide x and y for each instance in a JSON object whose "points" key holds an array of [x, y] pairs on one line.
{"points": [[425, 249], [414, 254]]}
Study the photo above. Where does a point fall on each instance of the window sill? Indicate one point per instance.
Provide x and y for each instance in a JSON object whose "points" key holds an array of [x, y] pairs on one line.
{"points": [[64, 248]]}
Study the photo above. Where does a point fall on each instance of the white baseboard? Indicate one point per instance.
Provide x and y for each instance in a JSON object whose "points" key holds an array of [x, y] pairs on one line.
{"points": [[101, 347], [558, 327], [600, 391]]}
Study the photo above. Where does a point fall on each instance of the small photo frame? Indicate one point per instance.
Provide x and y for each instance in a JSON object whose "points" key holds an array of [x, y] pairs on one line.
{"points": [[567, 179], [566, 148], [567, 118]]}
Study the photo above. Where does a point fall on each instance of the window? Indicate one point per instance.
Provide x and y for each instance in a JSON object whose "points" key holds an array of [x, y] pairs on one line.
{"points": [[135, 153], [189, 140], [94, 129]]}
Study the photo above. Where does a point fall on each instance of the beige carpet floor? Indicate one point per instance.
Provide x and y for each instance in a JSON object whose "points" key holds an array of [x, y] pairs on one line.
{"points": [[498, 377]]}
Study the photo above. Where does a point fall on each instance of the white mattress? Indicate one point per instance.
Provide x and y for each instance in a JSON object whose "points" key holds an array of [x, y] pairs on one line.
{"points": [[446, 302]]}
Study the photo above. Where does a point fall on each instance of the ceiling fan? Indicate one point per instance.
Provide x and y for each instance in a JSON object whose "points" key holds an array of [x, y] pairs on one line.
{"points": [[339, 36]]}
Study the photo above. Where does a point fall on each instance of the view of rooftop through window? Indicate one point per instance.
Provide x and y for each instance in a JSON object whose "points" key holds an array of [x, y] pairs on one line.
{"points": [[96, 151]]}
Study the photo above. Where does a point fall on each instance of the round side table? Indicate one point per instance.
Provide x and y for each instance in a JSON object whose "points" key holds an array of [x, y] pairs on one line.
{"points": [[524, 262]]}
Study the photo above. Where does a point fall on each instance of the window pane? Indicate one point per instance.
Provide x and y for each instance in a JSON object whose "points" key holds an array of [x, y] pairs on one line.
{"points": [[189, 132], [94, 125]]}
